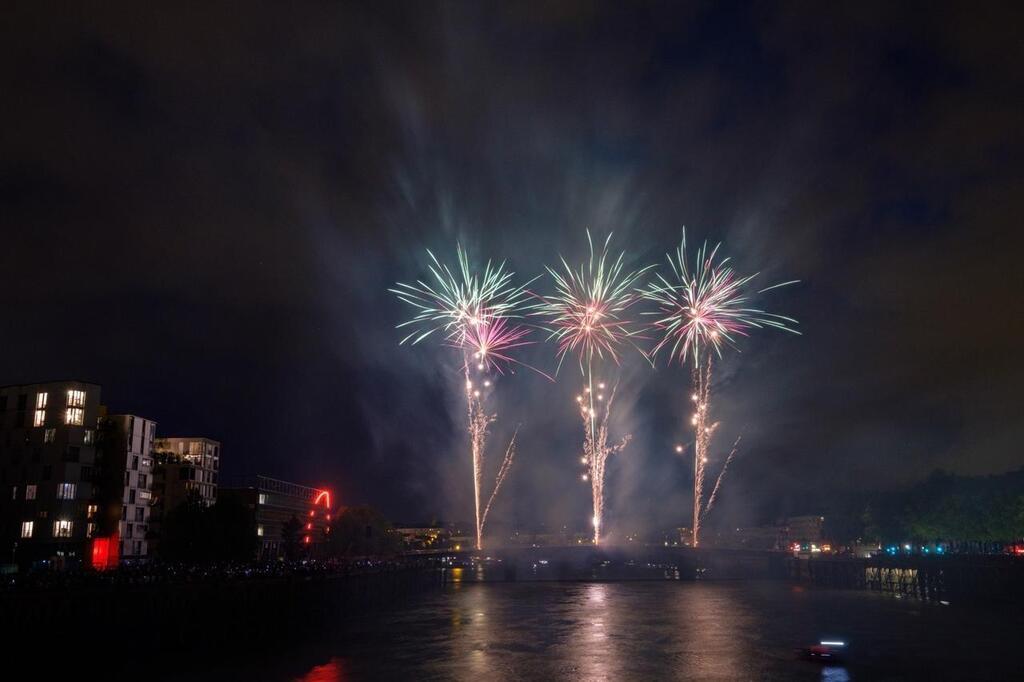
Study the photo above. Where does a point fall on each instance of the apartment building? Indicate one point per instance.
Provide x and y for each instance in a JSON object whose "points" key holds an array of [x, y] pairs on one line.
{"points": [[48, 471]]}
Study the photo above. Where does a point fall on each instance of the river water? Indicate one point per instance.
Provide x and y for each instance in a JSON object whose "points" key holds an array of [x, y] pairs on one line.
{"points": [[654, 631]]}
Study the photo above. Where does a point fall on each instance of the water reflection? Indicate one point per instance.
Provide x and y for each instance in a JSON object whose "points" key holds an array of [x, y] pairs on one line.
{"points": [[332, 671], [593, 634], [656, 630], [714, 621], [834, 674], [474, 637]]}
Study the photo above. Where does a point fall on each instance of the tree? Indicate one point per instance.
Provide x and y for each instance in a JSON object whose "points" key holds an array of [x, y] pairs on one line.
{"points": [[195, 533], [362, 531], [291, 540], [232, 531], [182, 534]]}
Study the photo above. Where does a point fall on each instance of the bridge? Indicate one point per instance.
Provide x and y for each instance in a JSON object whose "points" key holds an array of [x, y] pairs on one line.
{"points": [[618, 562], [932, 578]]}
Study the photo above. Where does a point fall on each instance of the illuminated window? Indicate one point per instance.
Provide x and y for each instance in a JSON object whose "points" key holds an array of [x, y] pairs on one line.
{"points": [[26, 528], [76, 398], [91, 510], [90, 529], [259, 530], [263, 498], [62, 529], [90, 435], [74, 416], [30, 492], [49, 435], [66, 491], [39, 418], [41, 399]]}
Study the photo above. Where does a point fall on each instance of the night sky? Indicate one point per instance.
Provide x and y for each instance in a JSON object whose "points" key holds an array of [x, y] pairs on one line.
{"points": [[203, 211]]}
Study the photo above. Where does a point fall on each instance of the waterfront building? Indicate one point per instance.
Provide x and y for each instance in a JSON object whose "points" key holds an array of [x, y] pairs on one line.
{"points": [[128, 464], [803, 533], [274, 503], [424, 538], [192, 468], [182, 468], [48, 469]]}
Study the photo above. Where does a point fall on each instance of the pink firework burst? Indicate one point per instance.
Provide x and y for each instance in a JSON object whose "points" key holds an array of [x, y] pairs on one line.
{"points": [[706, 305], [587, 313], [489, 343]]}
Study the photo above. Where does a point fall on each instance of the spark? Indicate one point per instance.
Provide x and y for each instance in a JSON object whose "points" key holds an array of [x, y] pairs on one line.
{"points": [[596, 452], [701, 310]]}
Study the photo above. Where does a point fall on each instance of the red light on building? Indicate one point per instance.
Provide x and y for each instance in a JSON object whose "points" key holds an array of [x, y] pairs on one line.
{"points": [[310, 512], [104, 553], [309, 526], [324, 496], [306, 539]]}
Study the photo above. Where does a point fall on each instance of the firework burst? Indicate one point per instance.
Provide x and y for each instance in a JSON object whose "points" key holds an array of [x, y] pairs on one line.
{"points": [[587, 317], [703, 309], [476, 314]]}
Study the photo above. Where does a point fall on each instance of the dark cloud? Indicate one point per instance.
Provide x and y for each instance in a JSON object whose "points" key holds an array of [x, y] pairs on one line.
{"points": [[203, 210]]}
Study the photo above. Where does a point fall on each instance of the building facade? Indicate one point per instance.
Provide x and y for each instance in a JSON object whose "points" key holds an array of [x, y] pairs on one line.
{"points": [[182, 467], [128, 462], [274, 503], [48, 472], [192, 467], [803, 531]]}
